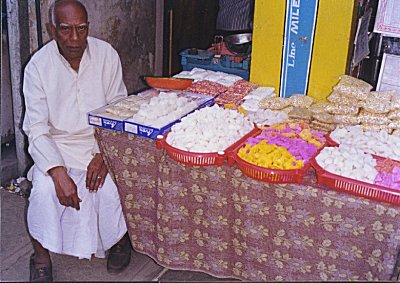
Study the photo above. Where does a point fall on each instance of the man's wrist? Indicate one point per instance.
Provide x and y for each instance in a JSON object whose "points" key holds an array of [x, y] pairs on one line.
{"points": [[53, 172]]}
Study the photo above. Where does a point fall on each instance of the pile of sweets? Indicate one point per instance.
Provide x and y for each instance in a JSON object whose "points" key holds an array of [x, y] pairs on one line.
{"points": [[207, 88], [252, 100], [260, 116], [379, 143], [125, 108], [295, 107], [283, 146], [348, 162], [163, 109], [389, 173], [210, 129], [199, 74], [352, 102], [266, 117], [355, 164], [235, 93]]}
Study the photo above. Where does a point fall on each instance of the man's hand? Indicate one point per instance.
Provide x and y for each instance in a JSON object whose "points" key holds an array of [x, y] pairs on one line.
{"points": [[96, 173], [66, 190]]}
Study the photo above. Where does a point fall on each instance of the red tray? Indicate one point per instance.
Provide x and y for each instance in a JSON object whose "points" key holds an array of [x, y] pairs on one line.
{"points": [[355, 187], [199, 159], [268, 175], [168, 83]]}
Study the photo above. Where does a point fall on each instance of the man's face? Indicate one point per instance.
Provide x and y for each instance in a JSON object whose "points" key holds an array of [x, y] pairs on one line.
{"points": [[71, 31]]}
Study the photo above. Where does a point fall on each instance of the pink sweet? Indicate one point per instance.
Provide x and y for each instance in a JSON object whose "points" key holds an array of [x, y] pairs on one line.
{"points": [[389, 180]]}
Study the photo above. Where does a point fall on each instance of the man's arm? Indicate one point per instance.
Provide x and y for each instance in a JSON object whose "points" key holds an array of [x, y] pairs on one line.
{"points": [[42, 147]]}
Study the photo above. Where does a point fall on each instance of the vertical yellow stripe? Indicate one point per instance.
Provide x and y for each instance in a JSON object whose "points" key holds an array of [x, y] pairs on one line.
{"points": [[333, 36], [269, 19]]}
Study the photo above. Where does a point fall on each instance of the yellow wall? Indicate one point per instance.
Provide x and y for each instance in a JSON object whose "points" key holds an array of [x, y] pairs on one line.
{"points": [[331, 44]]}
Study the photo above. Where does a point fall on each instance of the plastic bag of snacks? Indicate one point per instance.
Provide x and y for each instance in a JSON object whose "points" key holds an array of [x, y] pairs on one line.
{"points": [[339, 98], [376, 128], [354, 87], [382, 95], [298, 113], [324, 118], [394, 114], [377, 105], [366, 117], [207, 88], [342, 109], [318, 107], [300, 100], [321, 126], [274, 103], [394, 125], [396, 132], [346, 119], [396, 101], [287, 109]]}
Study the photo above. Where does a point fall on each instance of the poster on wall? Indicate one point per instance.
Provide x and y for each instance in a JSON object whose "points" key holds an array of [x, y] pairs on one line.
{"points": [[298, 44], [388, 18], [389, 73]]}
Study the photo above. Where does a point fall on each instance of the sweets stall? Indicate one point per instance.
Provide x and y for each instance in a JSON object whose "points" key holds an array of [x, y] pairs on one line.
{"points": [[274, 221], [216, 220]]}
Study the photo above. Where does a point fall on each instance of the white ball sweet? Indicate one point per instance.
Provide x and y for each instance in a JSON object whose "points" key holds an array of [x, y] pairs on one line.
{"points": [[378, 143], [349, 162], [163, 109], [210, 129]]}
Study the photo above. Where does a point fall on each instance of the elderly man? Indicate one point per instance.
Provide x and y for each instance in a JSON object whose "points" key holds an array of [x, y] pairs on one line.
{"points": [[74, 207]]}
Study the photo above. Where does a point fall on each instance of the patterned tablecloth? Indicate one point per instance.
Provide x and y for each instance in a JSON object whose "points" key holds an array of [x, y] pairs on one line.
{"points": [[216, 220]]}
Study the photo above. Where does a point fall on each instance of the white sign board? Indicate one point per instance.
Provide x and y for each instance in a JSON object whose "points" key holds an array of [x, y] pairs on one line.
{"points": [[388, 18], [389, 74]]}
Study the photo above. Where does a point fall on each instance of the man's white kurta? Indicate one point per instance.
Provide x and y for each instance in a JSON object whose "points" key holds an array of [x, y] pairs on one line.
{"points": [[57, 100]]}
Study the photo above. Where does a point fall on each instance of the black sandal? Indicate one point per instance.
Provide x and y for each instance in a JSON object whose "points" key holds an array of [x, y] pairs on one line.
{"points": [[41, 274]]}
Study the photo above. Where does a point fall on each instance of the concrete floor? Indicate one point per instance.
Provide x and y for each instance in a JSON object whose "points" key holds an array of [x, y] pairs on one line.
{"points": [[16, 247]]}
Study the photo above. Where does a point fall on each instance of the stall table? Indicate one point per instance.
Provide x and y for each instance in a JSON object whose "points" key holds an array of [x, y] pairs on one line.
{"points": [[216, 220]]}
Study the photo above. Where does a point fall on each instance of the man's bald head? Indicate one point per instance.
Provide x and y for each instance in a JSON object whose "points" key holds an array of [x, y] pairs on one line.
{"points": [[60, 4]]}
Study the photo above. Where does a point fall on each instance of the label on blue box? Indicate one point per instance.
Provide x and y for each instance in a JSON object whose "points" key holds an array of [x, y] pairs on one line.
{"points": [[105, 123], [298, 43]]}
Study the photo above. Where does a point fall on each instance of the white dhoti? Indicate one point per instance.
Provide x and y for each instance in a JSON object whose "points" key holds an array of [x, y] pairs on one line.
{"points": [[96, 227]]}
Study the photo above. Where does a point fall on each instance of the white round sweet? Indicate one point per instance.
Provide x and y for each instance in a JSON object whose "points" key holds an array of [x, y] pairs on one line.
{"points": [[378, 143], [348, 162], [210, 129]]}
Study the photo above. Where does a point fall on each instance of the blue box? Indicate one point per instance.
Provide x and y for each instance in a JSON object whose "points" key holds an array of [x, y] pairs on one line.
{"points": [[97, 118], [206, 60]]}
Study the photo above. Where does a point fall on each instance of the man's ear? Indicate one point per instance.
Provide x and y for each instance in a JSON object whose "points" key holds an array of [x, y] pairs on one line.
{"points": [[51, 30]]}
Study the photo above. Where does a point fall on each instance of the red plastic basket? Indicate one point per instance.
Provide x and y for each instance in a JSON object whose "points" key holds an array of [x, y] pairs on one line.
{"points": [[272, 175], [330, 141], [268, 175], [355, 187], [199, 159]]}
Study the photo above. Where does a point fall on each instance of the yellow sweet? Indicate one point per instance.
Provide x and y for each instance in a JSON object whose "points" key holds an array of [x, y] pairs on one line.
{"points": [[229, 106], [242, 110], [269, 156]]}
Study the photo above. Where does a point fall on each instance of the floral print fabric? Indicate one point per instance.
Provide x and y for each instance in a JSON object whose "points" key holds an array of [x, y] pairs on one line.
{"points": [[216, 220]]}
